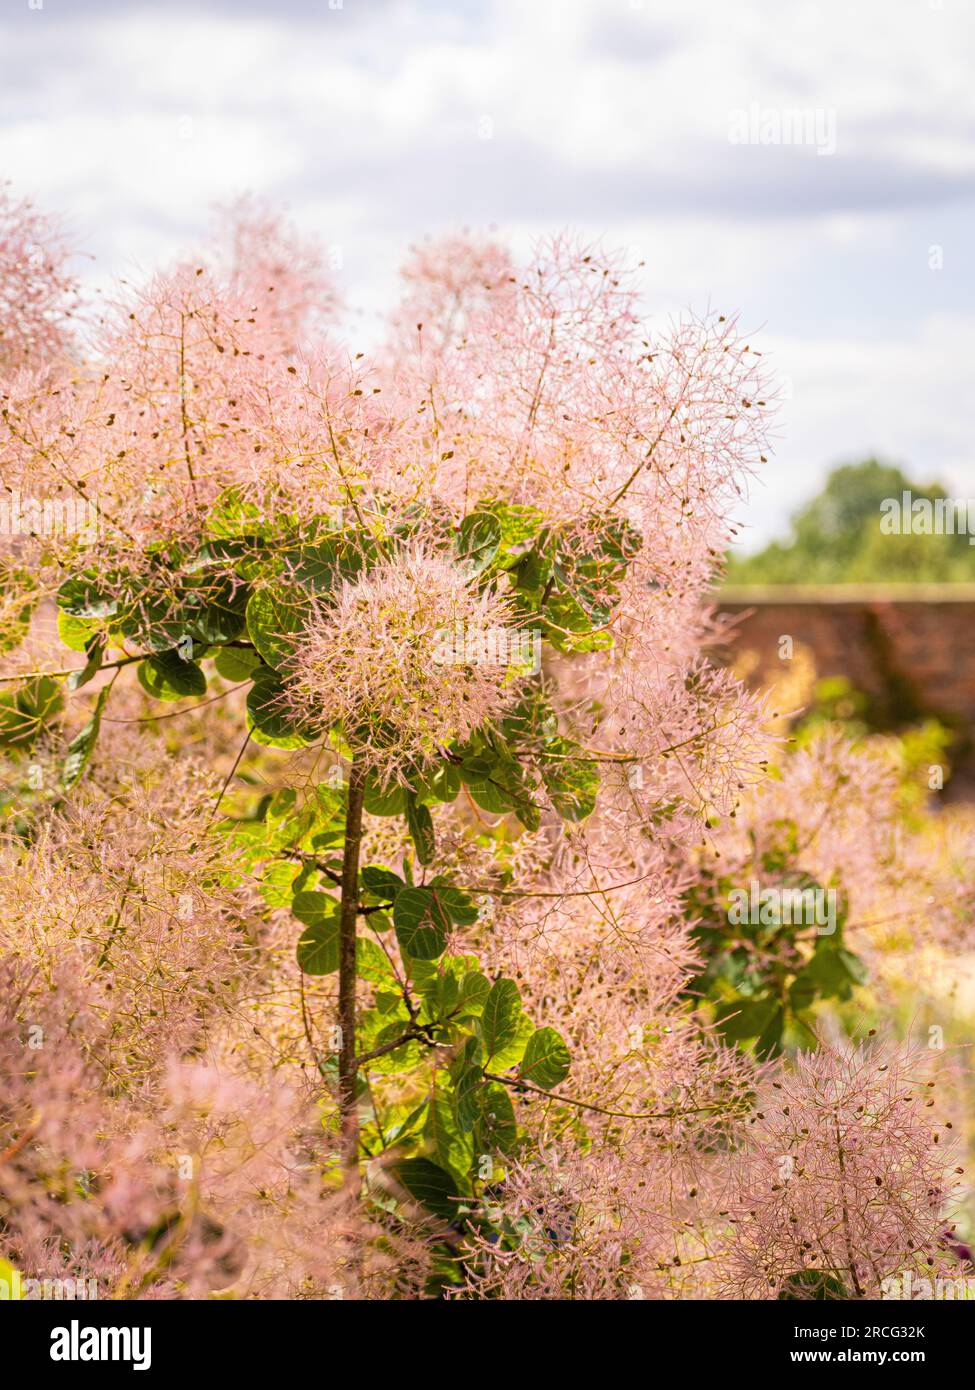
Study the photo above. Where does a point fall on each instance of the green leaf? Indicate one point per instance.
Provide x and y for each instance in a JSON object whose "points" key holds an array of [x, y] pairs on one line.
{"points": [[474, 990], [380, 883], [16, 728], [421, 927], [442, 786], [269, 722], [237, 663], [318, 945], [405, 1058], [450, 1144], [317, 567], [16, 623], [769, 1041], [546, 1061], [95, 651], [372, 963], [396, 1132], [430, 1185], [467, 1096], [388, 802], [514, 1050], [477, 773], [81, 597], [533, 571], [453, 904], [853, 965], [742, 1018], [82, 745], [572, 783], [75, 633], [830, 973], [157, 622], [274, 615], [167, 676], [311, 907], [570, 627], [380, 921], [240, 552], [589, 563], [495, 1128], [498, 784], [277, 882], [423, 916], [440, 989], [499, 1021], [520, 525], [41, 697], [621, 542], [479, 540], [281, 805], [232, 516], [420, 824], [216, 612], [24, 713]]}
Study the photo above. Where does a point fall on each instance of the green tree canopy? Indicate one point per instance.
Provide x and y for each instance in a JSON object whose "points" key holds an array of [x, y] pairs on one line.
{"points": [[837, 537]]}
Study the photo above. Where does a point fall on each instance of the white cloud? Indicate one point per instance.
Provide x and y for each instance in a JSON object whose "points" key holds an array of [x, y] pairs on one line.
{"points": [[908, 401]]}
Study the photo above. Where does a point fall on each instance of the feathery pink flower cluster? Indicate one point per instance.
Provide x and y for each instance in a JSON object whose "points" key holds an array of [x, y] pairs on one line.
{"points": [[409, 657], [843, 1184], [38, 293]]}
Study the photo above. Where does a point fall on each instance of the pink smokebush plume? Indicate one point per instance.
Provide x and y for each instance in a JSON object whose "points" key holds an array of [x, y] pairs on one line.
{"points": [[38, 292], [843, 1185], [283, 277], [408, 658]]}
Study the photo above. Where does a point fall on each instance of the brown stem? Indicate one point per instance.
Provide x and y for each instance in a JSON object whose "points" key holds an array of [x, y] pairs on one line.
{"points": [[415, 1032], [846, 1215], [348, 912], [106, 665], [517, 1083]]}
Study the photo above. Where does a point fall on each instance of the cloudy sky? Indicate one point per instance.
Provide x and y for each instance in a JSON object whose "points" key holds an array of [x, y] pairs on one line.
{"points": [[811, 165]]}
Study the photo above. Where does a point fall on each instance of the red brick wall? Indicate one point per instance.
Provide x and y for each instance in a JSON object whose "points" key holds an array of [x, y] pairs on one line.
{"points": [[922, 638]]}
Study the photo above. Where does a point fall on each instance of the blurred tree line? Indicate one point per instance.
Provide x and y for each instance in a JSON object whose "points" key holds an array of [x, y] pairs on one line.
{"points": [[837, 537]]}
